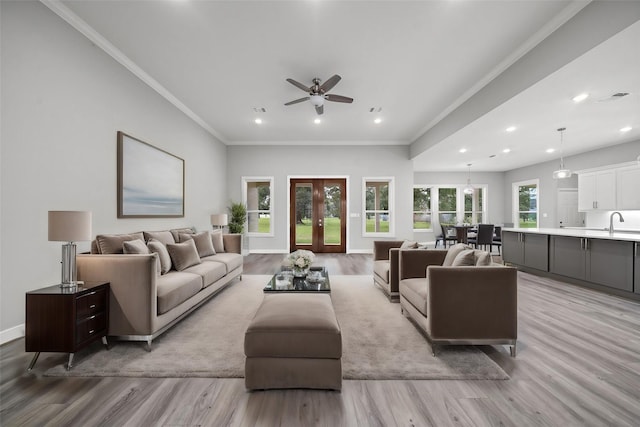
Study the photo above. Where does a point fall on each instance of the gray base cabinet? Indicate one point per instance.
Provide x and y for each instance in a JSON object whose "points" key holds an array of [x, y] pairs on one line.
{"points": [[526, 249], [601, 261]]}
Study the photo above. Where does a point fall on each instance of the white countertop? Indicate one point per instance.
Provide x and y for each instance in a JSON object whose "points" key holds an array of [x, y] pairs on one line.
{"points": [[576, 232]]}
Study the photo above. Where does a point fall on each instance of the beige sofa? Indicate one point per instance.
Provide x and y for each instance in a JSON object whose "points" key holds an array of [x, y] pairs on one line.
{"points": [[459, 296], [148, 297]]}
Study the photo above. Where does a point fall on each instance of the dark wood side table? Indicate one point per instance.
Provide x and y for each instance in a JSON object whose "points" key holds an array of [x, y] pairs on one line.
{"points": [[66, 320]]}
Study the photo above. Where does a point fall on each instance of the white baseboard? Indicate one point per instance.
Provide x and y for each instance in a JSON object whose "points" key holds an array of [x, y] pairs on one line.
{"points": [[11, 334], [360, 251], [269, 251]]}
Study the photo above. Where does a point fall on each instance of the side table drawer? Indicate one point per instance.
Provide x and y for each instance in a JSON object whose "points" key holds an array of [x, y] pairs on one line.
{"points": [[90, 304], [88, 328]]}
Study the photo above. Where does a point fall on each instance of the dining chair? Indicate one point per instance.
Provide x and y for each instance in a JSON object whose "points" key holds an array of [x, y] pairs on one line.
{"points": [[497, 237], [484, 237], [446, 236]]}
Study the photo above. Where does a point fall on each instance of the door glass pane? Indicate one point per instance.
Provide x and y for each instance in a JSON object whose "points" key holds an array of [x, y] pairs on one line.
{"points": [[332, 206], [304, 213]]}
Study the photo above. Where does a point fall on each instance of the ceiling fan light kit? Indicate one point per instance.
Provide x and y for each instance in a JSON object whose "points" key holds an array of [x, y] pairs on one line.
{"points": [[318, 93]]}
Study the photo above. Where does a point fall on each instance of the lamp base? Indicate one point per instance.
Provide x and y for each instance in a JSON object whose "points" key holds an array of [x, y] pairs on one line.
{"points": [[68, 266]]}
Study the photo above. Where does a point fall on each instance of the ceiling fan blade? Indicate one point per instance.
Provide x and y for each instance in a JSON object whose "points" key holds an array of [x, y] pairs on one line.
{"points": [[338, 98], [319, 109], [300, 85], [306, 98], [329, 84]]}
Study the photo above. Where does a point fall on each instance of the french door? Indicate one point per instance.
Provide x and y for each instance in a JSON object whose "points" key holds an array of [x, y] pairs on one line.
{"points": [[318, 214]]}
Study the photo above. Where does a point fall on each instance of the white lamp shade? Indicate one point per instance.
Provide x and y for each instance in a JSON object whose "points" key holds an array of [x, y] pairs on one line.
{"points": [[69, 226], [219, 220]]}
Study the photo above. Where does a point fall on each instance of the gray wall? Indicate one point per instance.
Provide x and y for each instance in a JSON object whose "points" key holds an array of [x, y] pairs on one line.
{"points": [[548, 186], [354, 162], [495, 194], [63, 100]]}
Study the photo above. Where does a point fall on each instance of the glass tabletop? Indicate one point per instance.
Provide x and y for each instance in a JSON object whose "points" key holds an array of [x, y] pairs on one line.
{"points": [[317, 280]]}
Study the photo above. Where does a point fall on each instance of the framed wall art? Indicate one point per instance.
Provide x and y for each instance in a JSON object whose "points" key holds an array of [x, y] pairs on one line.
{"points": [[150, 180]]}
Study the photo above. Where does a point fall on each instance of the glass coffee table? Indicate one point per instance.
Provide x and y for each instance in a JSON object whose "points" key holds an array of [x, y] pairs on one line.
{"points": [[317, 281]]}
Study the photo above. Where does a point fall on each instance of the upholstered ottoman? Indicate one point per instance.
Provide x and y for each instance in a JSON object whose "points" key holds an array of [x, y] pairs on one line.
{"points": [[294, 341]]}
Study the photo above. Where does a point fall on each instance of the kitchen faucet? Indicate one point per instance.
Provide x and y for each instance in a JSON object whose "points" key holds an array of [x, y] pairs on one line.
{"points": [[611, 221]]}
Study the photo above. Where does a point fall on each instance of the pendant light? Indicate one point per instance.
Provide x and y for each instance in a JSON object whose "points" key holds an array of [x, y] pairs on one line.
{"points": [[468, 189], [561, 173]]}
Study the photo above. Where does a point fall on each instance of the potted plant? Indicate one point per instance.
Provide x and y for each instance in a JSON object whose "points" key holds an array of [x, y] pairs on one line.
{"points": [[238, 213]]}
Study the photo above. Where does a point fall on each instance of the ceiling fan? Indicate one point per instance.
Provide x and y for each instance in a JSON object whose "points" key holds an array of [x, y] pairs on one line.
{"points": [[318, 93]]}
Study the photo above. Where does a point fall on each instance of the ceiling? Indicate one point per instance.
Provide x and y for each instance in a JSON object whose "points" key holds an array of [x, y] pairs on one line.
{"points": [[414, 60]]}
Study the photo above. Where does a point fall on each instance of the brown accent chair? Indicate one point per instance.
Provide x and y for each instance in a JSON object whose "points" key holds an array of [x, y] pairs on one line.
{"points": [[385, 265], [467, 305]]}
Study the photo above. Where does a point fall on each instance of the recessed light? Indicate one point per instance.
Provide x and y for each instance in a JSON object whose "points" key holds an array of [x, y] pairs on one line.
{"points": [[258, 121], [511, 128], [580, 98], [626, 129], [377, 121], [550, 150], [317, 121], [506, 150], [462, 150]]}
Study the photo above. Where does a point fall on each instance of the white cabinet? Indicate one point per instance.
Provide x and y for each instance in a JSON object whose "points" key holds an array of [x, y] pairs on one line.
{"points": [[627, 188], [597, 190]]}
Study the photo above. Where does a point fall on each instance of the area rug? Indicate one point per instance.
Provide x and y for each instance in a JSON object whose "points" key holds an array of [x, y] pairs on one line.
{"points": [[378, 341]]}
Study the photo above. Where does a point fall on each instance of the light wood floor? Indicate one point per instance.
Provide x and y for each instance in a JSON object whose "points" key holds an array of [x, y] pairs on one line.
{"points": [[578, 364]]}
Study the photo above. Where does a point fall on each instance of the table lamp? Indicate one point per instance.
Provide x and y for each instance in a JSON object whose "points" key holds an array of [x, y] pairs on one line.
{"points": [[70, 227], [219, 220]]}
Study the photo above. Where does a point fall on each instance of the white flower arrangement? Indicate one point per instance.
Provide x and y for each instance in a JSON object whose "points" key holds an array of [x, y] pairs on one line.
{"points": [[300, 259]]}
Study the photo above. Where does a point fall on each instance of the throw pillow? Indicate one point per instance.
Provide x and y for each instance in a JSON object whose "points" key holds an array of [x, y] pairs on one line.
{"points": [[218, 242], [183, 255], [453, 252], [135, 247], [483, 258], [155, 246], [203, 242], [176, 233], [112, 243], [464, 259], [409, 244], [162, 236]]}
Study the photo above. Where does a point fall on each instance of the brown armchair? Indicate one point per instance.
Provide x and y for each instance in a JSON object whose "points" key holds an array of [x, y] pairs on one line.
{"points": [[385, 266], [471, 305]]}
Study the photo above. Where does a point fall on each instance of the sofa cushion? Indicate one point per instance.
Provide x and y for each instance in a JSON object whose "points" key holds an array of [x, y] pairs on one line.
{"points": [[218, 242], [415, 291], [183, 255], [135, 247], [294, 325], [209, 271], [465, 258], [229, 259], [157, 247], [453, 252], [176, 233], [165, 237], [112, 243], [175, 288], [381, 268], [483, 258], [409, 244], [203, 242]]}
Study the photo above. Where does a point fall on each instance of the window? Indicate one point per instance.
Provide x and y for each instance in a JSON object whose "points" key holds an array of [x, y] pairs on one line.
{"points": [[474, 207], [447, 205], [378, 202], [525, 203], [259, 201], [422, 209]]}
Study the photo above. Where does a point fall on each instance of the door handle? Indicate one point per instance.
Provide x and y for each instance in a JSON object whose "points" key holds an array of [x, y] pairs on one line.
{"points": [[586, 244]]}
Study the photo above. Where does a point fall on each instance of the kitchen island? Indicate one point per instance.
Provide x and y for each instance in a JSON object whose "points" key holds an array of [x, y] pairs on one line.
{"points": [[589, 257]]}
